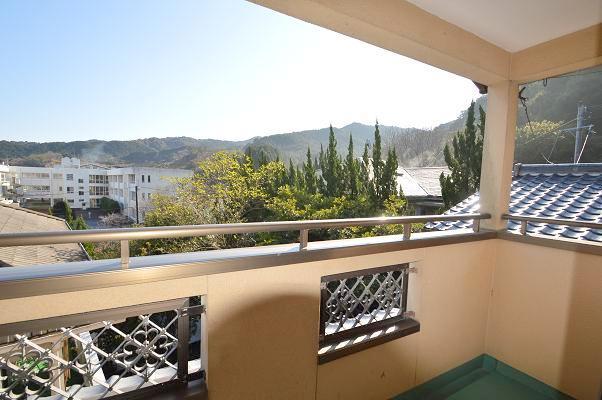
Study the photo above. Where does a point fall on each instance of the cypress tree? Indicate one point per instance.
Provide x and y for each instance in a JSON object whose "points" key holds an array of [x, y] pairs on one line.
{"points": [[463, 159], [351, 171], [310, 174], [332, 170], [377, 167]]}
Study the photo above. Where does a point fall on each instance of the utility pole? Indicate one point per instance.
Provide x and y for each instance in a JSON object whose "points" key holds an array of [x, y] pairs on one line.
{"points": [[581, 110], [137, 217]]}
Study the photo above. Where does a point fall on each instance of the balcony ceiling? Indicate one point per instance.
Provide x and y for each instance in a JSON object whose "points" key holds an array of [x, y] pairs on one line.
{"points": [[515, 25]]}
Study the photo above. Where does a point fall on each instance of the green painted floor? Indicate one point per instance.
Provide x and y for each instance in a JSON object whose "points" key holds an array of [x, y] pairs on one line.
{"points": [[483, 378], [494, 386]]}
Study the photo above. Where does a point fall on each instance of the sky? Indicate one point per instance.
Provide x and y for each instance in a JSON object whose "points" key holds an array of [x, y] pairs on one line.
{"points": [[221, 69]]}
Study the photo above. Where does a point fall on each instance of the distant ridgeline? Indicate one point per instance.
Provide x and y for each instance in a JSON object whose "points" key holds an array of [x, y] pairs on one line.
{"points": [[554, 102]]}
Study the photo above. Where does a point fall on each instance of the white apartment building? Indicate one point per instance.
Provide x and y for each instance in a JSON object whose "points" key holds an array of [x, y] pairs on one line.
{"points": [[4, 181], [134, 187], [83, 185]]}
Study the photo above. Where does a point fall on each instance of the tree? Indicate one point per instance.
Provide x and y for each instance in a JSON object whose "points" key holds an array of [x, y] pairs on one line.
{"points": [[309, 172], [351, 171], [377, 168], [62, 209], [109, 205], [463, 159], [365, 180], [79, 224], [332, 170]]}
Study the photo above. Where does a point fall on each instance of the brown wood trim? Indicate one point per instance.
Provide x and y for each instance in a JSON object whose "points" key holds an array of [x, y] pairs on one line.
{"points": [[556, 243], [118, 277], [404, 328]]}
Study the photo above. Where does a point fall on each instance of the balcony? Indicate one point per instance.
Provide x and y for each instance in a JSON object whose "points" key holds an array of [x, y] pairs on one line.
{"points": [[473, 313], [449, 307]]}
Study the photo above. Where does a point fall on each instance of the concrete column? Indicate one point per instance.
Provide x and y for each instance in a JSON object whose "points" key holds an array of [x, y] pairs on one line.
{"points": [[498, 152]]}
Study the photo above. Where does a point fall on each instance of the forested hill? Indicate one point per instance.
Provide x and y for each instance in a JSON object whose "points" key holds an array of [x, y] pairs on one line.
{"points": [[555, 100]]}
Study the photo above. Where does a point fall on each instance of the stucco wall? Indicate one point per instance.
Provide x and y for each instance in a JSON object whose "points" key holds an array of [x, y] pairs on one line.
{"points": [[263, 327], [546, 316]]}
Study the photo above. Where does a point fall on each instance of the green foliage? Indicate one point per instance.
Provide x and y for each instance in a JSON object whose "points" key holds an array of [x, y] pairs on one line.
{"points": [[109, 205], [232, 187], [463, 159], [79, 224], [62, 209]]}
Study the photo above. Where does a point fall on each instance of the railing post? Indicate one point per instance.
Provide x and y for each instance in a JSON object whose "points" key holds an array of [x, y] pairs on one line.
{"points": [[125, 254], [303, 239], [183, 341], [476, 225], [523, 227], [407, 231]]}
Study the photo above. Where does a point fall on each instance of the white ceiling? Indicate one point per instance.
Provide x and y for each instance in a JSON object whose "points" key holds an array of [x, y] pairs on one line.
{"points": [[516, 24]]}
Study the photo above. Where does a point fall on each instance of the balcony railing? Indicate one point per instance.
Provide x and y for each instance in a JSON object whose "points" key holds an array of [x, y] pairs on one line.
{"points": [[124, 235], [526, 219], [101, 354]]}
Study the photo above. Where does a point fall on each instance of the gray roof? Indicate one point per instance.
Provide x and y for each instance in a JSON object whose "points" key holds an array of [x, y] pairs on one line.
{"points": [[16, 219], [569, 191], [420, 181]]}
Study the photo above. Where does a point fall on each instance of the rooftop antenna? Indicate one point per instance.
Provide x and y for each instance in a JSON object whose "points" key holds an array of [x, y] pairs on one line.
{"points": [[579, 144]]}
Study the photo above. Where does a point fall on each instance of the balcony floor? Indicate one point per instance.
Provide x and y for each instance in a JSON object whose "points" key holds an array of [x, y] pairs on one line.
{"points": [[483, 378]]}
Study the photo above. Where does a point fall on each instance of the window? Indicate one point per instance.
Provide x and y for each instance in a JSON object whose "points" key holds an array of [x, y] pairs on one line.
{"points": [[132, 195], [362, 309], [142, 178], [148, 178], [69, 177], [131, 178], [69, 189], [143, 196], [148, 196], [57, 176], [60, 188], [83, 204], [80, 180], [35, 175], [70, 201]]}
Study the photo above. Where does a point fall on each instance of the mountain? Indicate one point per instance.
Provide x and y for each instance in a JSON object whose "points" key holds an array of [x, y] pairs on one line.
{"points": [[184, 152], [553, 100]]}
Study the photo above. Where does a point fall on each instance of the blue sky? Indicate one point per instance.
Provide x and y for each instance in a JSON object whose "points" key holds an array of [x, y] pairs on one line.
{"points": [[223, 69]]}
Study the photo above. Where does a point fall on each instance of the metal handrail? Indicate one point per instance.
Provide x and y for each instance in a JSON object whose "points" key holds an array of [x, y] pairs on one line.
{"points": [[525, 219], [124, 235]]}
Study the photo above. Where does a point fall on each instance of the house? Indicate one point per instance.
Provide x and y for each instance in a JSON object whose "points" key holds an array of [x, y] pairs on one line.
{"points": [[421, 188], [565, 191], [461, 314], [15, 219]]}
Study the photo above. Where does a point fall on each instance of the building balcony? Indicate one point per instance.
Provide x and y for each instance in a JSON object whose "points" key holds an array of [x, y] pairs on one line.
{"points": [[415, 315], [471, 313]]}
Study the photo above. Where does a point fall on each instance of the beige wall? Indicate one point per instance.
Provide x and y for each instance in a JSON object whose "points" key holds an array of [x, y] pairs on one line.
{"points": [[533, 307], [546, 316], [263, 327]]}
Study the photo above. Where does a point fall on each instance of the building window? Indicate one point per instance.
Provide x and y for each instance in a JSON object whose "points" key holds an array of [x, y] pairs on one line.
{"points": [[57, 176], [361, 309], [69, 177], [148, 178], [60, 188], [132, 195], [83, 204], [81, 193], [80, 180], [143, 196], [142, 178], [69, 189], [70, 201], [148, 196]]}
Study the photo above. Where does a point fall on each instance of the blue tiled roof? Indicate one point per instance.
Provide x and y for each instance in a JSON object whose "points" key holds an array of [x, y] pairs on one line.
{"points": [[568, 191]]}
